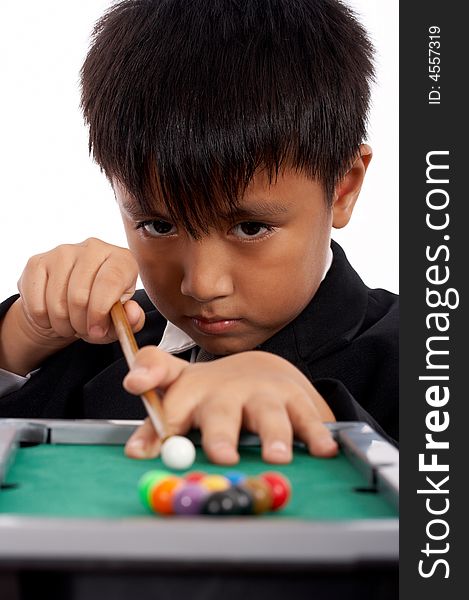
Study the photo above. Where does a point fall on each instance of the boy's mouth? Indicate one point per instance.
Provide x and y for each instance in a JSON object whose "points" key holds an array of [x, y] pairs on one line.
{"points": [[214, 325]]}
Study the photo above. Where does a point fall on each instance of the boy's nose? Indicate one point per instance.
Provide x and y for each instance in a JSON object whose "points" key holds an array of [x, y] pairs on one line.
{"points": [[206, 271]]}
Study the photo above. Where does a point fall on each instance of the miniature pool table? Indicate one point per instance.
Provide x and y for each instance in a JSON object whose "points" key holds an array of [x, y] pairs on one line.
{"points": [[72, 524]]}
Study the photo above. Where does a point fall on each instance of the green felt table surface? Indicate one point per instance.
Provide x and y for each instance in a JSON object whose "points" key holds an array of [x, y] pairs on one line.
{"points": [[100, 481]]}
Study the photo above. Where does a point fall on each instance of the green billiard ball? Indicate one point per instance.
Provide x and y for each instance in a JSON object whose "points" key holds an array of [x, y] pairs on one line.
{"points": [[147, 482]]}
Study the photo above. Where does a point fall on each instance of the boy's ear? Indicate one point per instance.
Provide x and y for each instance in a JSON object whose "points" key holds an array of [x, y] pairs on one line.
{"points": [[347, 190]]}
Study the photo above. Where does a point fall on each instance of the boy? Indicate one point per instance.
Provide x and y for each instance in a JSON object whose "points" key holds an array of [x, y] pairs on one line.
{"points": [[232, 136]]}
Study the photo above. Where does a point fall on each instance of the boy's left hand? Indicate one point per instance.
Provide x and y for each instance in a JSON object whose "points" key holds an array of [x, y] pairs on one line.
{"points": [[258, 391]]}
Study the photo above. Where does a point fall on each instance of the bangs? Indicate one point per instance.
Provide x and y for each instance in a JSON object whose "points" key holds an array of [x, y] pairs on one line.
{"points": [[187, 100]]}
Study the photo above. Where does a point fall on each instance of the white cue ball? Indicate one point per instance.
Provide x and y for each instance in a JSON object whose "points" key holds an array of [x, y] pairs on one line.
{"points": [[178, 452]]}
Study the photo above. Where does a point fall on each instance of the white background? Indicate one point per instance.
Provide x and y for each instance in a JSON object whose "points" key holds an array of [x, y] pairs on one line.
{"points": [[52, 192]]}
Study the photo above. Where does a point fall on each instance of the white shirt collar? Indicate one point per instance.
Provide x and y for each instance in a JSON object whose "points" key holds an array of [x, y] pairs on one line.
{"points": [[175, 340]]}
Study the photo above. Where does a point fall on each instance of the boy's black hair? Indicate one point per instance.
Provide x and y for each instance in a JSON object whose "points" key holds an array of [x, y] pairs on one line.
{"points": [[187, 99]]}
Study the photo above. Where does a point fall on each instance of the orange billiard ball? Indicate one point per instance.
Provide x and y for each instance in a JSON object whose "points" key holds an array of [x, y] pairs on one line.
{"points": [[161, 496]]}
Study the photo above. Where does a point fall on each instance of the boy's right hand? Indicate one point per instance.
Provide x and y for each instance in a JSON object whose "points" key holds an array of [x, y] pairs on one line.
{"points": [[67, 293]]}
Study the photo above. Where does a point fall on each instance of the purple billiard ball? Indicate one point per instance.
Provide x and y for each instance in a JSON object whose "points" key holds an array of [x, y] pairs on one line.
{"points": [[189, 499]]}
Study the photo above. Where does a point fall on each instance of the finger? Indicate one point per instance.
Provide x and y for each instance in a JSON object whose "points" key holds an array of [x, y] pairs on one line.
{"points": [[32, 288], [153, 368], [271, 422], [180, 401], [135, 315], [114, 279], [56, 292], [79, 292], [309, 428], [144, 442], [220, 422]]}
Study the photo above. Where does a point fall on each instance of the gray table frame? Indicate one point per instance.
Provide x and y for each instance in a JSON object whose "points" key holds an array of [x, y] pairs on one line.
{"points": [[227, 541]]}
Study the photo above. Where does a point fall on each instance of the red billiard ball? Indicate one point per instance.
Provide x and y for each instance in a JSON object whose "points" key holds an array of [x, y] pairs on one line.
{"points": [[280, 486], [194, 476]]}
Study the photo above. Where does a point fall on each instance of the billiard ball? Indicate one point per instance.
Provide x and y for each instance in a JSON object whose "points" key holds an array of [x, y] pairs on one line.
{"points": [[261, 493], [221, 504], [280, 487], [244, 500], [161, 495], [178, 452], [147, 482], [188, 499], [235, 477], [215, 483], [194, 476]]}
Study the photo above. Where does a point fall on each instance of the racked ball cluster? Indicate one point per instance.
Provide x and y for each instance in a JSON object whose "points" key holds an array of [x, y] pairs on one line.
{"points": [[198, 493]]}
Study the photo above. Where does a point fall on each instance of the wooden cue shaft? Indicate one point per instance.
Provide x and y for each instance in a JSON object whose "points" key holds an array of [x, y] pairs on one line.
{"points": [[128, 343]]}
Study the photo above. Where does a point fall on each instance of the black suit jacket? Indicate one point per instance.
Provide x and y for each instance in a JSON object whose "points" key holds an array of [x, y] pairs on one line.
{"points": [[345, 341]]}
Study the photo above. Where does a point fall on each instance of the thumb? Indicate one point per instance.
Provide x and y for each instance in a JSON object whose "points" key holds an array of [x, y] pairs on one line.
{"points": [[153, 368], [144, 442], [135, 315]]}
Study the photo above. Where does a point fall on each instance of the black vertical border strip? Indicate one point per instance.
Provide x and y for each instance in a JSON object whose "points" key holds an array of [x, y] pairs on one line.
{"points": [[424, 128]]}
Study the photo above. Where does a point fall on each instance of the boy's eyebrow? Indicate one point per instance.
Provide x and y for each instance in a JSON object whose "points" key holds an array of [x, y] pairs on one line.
{"points": [[257, 210], [134, 211]]}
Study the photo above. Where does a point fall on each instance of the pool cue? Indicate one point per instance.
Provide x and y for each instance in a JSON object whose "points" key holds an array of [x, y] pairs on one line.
{"points": [[151, 399]]}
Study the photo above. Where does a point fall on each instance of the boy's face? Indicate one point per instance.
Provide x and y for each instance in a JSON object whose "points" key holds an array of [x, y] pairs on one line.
{"points": [[234, 288]]}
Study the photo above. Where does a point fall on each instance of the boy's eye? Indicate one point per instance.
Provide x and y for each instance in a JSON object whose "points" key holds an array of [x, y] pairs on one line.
{"points": [[157, 228], [251, 229]]}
